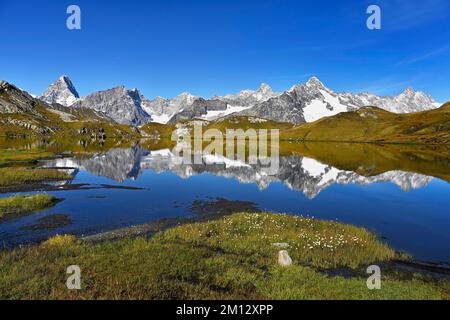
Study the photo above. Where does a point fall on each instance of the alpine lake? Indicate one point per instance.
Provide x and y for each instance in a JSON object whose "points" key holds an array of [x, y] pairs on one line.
{"points": [[399, 192]]}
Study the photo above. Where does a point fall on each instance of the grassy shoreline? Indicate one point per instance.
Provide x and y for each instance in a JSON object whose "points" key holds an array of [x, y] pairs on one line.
{"points": [[22, 156], [20, 205], [230, 258], [17, 176], [19, 167]]}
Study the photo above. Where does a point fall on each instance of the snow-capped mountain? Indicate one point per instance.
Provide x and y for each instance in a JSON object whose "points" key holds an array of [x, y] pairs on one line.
{"points": [[407, 102], [186, 106], [201, 108], [219, 107], [162, 110], [312, 101], [62, 91], [302, 103], [122, 105], [250, 98]]}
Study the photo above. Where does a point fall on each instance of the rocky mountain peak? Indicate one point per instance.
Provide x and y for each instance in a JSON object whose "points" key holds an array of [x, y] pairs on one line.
{"points": [[62, 91], [409, 91], [315, 82], [123, 105], [119, 88], [187, 96], [264, 87]]}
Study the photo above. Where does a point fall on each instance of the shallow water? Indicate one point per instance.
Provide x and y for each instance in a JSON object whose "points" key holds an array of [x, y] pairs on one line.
{"points": [[401, 195]]}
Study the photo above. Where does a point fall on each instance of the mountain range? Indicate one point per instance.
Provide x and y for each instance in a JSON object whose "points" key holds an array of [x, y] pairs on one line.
{"points": [[303, 103]]}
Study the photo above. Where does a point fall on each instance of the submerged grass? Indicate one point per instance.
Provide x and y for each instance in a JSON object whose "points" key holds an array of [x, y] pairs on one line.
{"points": [[18, 205], [232, 258]]}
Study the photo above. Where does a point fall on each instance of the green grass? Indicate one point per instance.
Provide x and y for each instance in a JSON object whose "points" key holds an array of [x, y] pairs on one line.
{"points": [[17, 176], [230, 258], [9, 156], [372, 124], [313, 242], [19, 205], [245, 123], [157, 130]]}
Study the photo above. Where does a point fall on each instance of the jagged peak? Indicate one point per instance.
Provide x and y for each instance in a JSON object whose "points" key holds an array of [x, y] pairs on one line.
{"points": [[185, 94], [120, 87], [264, 87], [61, 91], [65, 78], [314, 81], [409, 91], [413, 94]]}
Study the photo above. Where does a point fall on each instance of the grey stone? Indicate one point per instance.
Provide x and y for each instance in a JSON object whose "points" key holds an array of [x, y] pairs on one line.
{"points": [[284, 259]]}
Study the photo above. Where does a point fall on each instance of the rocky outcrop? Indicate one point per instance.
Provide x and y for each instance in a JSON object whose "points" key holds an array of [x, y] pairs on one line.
{"points": [[26, 124], [162, 110], [199, 108], [250, 98], [15, 101], [120, 104]]}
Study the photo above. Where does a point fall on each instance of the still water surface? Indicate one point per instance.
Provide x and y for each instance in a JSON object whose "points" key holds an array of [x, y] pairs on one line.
{"points": [[409, 210]]}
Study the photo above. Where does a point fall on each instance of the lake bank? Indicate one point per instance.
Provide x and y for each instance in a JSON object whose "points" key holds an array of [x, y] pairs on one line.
{"points": [[230, 258]]}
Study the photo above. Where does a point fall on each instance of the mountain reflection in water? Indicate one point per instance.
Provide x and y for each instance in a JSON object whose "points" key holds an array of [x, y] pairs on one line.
{"points": [[299, 173]]}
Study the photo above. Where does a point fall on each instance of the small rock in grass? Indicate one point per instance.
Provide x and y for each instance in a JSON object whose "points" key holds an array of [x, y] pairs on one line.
{"points": [[284, 259]]}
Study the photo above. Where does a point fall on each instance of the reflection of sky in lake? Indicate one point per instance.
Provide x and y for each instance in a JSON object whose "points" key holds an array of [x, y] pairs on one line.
{"points": [[411, 211]]}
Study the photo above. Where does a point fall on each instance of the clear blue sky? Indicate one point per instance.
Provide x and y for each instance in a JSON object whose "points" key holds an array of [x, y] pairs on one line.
{"points": [[220, 46]]}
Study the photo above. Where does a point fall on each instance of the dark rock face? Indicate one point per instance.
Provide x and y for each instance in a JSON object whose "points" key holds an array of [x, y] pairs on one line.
{"points": [[210, 105], [199, 108], [120, 104], [285, 108]]}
